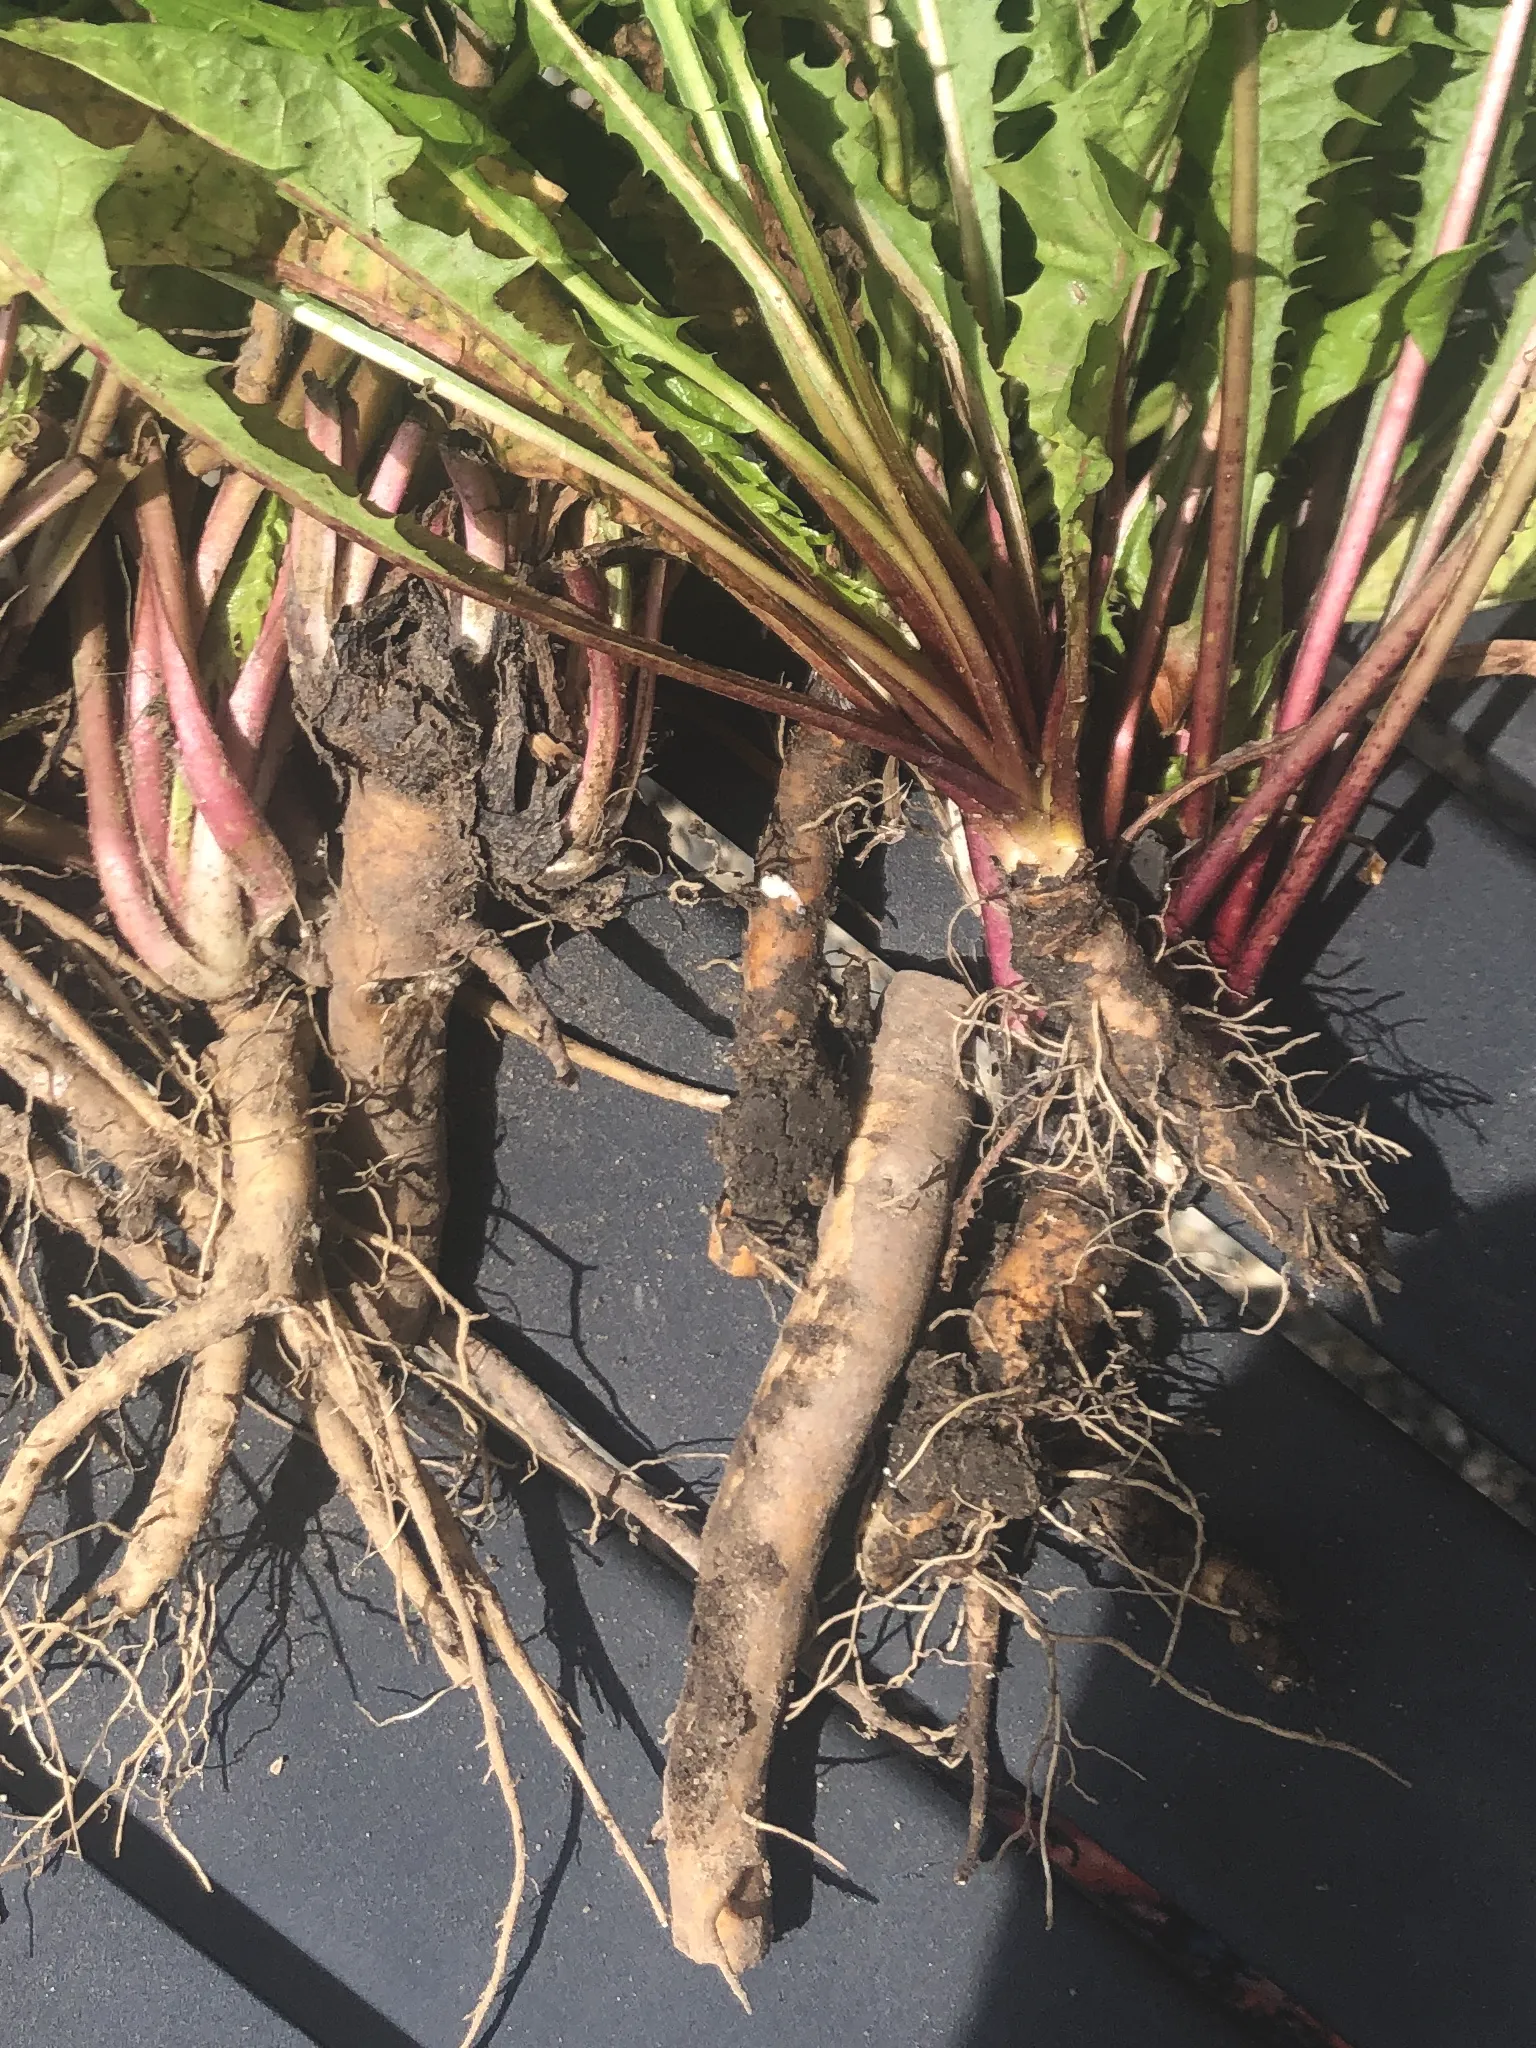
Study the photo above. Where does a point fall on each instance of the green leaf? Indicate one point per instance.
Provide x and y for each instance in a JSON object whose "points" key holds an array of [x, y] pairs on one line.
{"points": [[1346, 348], [963, 49], [1083, 189], [1517, 337], [661, 137], [178, 200], [48, 239], [497, 18], [292, 116], [1303, 64], [329, 31], [1512, 582], [337, 153], [838, 150], [1444, 117]]}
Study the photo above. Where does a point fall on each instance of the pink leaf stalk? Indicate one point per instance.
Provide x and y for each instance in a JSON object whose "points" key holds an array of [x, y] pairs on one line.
{"points": [[277, 737], [236, 825], [485, 538], [386, 494], [1353, 545], [229, 515], [114, 845], [312, 546], [221, 798], [991, 889], [1381, 742], [1152, 626], [1314, 741], [1229, 488], [58, 486], [243, 719], [1021, 628], [145, 718], [1346, 563], [10, 328], [1453, 495], [643, 697]]}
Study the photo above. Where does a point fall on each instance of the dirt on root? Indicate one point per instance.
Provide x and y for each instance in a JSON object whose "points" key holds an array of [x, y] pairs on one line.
{"points": [[1207, 1106], [951, 1471], [482, 746], [779, 1143]]}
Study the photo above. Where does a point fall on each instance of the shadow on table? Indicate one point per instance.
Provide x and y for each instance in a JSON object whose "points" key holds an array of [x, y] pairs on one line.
{"points": [[234, 1938], [1400, 1912]]}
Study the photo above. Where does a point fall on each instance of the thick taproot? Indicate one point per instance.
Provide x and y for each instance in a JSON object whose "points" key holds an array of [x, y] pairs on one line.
{"points": [[842, 1345]]}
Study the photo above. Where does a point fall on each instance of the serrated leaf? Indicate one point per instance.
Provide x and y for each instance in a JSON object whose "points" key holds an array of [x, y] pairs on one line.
{"points": [[1083, 187], [228, 90], [661, 137], [293, 117], [1346, 348], [964, 49], [49, 240], [1303, 64]]}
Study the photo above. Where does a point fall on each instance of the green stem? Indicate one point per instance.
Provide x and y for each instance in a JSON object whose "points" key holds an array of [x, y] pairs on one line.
{"points": [[934, 571], [979, 279]]}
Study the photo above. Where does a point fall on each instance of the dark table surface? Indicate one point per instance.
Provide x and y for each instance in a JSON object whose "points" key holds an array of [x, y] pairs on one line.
{"points": [[357, 1868]]}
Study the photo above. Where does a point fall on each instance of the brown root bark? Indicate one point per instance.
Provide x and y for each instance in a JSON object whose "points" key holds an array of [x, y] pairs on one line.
{"points": [[780, 1141], [973, 1737], [1044, 1292], [509, 1398], [961, 1459], [395, 945], [1199, 1114], [841, 1347], [148, 1169], [188, 1477], [341, 1443], [36, 1173]]}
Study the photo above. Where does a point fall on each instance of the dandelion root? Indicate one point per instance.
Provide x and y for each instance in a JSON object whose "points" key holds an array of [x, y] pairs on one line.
{"points": [[841, 1347]]}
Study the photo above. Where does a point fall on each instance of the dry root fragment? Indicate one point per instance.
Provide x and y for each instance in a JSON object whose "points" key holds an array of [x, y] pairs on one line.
{"points": [[592, 1058], [780, 1141], [842, 1344], [973, 1737]]}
